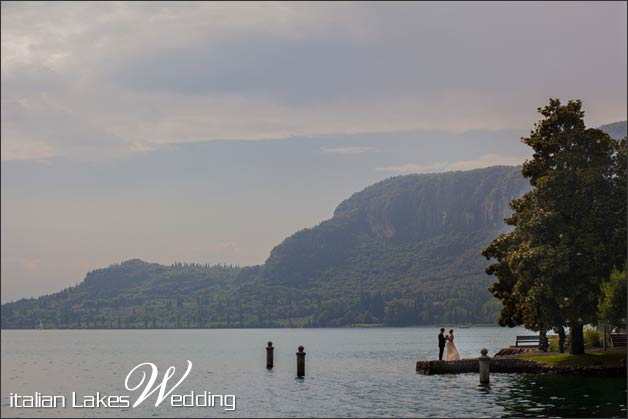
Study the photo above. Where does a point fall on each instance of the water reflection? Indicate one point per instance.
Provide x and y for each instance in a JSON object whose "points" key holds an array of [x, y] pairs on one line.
{"points": [[564, 396], [484, 388]]}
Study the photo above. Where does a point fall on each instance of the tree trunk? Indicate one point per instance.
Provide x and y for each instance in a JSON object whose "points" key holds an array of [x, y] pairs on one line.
{"points": [[577, 340], [561, 339], [543, 342]]}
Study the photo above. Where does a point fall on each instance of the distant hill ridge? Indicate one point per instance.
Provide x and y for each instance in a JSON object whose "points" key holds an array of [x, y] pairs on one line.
{"points": [[400, 229], [617, 130], [403, 251]]}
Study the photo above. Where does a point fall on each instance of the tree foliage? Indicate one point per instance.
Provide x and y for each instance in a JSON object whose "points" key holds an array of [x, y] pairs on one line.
{"points": [[569, 230], [613, 303]]}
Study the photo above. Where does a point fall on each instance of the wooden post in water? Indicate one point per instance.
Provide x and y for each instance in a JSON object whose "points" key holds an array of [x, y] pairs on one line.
{"points": [[301, 363], [269, 356], [485, 362]]}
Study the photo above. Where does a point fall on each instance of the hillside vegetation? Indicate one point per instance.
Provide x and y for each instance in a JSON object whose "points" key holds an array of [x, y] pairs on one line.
{"points": [[404, 251]]}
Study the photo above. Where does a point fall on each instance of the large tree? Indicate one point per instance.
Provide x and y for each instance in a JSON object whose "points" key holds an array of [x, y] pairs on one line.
{"points": [[569, 230]]}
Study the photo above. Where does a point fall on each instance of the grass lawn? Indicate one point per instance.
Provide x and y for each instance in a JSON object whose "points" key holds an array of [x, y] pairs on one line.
{"points": [[592, 358]]}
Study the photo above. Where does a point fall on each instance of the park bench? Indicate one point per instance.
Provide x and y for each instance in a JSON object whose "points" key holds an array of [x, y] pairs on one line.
{"points": [[527, 341], [618, 340]]}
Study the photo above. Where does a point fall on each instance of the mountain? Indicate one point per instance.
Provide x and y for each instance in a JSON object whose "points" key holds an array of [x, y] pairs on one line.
{"points": [[617, 130], [399, 230], [403, 251]]}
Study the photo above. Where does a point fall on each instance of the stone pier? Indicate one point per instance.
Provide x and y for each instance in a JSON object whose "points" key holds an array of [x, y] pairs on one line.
{"points": [[473, 365], [513, 365]]}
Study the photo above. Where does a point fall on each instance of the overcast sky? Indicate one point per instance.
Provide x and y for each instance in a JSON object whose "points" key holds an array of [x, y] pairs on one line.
{"points": [[111, 112]]}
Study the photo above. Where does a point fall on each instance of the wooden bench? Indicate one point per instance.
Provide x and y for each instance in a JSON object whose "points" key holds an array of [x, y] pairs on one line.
{"points": [[527, 341], [618, 340]]}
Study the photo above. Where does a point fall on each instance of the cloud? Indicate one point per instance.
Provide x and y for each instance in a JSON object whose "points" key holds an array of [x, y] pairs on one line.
{"points": [[40, 127], [486, 160], [347, 150], [111, 77]]}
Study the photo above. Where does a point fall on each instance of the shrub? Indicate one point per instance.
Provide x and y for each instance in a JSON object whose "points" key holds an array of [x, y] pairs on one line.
{"points": [[592, 338], [553, 343], [613, 303]]}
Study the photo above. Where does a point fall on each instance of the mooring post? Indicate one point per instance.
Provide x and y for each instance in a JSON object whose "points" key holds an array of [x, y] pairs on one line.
{"points": [[269, 356], [485, 363], [301, 363]]}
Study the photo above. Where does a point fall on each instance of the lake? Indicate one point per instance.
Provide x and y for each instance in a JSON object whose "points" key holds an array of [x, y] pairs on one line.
{"points": [[350, 372]]}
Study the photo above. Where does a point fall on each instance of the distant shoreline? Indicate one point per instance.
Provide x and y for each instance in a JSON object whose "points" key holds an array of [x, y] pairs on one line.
{"points": [[260, 328]]}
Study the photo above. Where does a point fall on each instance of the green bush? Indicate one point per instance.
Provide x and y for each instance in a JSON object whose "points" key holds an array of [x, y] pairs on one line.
{"points": [[612, 306], [592, 338]]}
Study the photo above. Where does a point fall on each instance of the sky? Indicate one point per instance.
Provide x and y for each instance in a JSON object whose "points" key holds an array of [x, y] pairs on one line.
{"points": [[208, 132]]}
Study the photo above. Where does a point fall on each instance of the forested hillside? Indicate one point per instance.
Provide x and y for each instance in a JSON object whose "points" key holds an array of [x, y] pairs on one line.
{"points": [[617, 130], [404, 251]]}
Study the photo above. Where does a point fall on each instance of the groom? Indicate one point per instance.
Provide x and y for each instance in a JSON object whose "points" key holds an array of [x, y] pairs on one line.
{"points": [[441, 343]]}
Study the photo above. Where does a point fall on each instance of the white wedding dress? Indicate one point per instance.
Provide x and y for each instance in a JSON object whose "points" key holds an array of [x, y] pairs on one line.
{"points": [[452, 352]]}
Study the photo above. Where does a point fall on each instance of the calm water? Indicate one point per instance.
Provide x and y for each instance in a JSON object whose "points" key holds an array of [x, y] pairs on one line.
{"points": [[350, 373]]}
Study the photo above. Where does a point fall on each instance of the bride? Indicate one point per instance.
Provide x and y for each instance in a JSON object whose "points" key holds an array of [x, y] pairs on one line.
{"points": [[452, 352]]}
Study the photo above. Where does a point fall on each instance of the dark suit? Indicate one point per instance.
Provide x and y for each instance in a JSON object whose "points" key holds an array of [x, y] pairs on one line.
{"points": [[441, 346]]}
